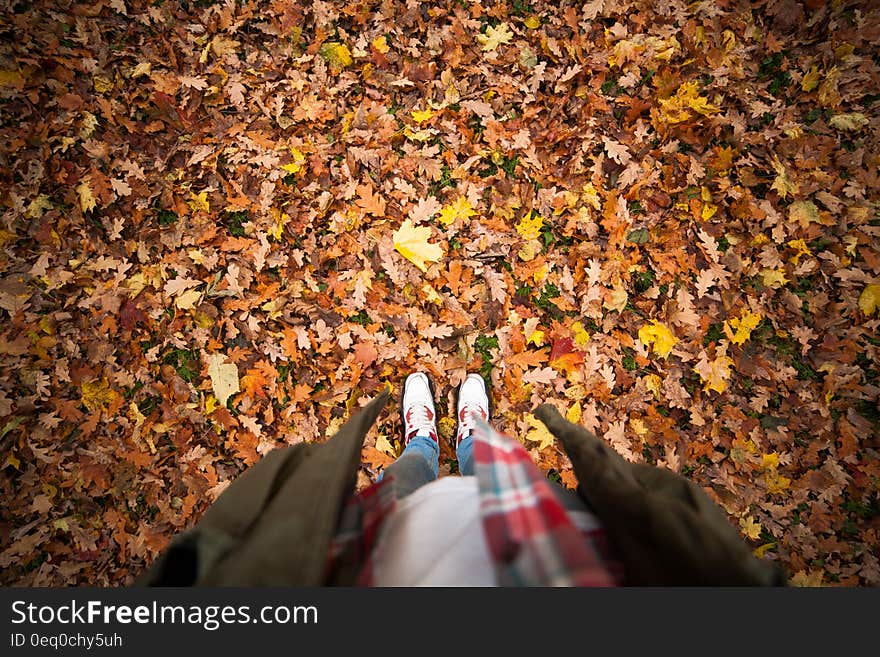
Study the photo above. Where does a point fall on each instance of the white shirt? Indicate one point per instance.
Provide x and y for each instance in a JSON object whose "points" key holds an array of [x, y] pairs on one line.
{"points": [[435, 537]]}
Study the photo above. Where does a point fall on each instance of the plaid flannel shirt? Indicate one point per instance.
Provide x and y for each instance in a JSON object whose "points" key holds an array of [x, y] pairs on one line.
{"points": [[532, 539]]}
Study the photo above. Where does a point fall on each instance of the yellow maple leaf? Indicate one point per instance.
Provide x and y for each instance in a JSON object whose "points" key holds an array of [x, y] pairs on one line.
{"points": [[532, 22], [529, 250], [573, 414], [431, 294], [412, 243], [739, 329], [590, 196], [869, 300], [96, 395], [750, 528], [495, 36], [653, 383], [659, 337], [804, 213], [536, 338], [224, 378], [296, 165], [638, 426], [336, 54], [420, 116], [539, 433], [773, 278], [783, 183], [770, 461], [714, 373], [811, 79], [86, 199], [581, 337], [199, 202], [687, 100], [802, 250], [384, 445], [380, 43], [277, 229], [460, 209], [776, 483], [529, 227]]}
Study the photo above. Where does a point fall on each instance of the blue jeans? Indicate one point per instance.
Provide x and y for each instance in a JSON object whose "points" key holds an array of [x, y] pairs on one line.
{"points": [[420, 462]]}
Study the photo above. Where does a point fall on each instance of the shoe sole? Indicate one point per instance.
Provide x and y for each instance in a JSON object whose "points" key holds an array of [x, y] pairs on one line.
{"points": [[401, 413], [458, 394]]}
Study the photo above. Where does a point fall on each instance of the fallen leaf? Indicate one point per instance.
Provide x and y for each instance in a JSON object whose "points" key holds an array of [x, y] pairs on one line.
{"points": [[224, 378], [538, 433], [412, 243], [659, 337], [869, 300], [495, 36], [714, 373]]}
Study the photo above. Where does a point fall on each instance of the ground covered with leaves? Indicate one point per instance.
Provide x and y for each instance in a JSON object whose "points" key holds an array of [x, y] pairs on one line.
{"points": [[226, 225]]}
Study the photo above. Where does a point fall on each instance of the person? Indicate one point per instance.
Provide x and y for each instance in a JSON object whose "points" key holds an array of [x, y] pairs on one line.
{"points": [[293, 519]]}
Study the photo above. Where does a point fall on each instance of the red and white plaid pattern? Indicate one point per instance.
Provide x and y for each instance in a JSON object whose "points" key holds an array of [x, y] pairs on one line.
{"points": [[532, 539]]}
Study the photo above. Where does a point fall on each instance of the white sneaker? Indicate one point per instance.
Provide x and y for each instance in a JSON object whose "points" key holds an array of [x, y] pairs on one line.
{"points": [[417, 408], [473, 405]]}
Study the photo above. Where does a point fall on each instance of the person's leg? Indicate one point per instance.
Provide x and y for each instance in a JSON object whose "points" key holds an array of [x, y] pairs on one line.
{"points": [[465, 455], [419, 463], [417, 466], [473, 403]]}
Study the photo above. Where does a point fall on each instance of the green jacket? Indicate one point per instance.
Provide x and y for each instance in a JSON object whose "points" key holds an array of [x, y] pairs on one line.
{"points": [[273, 526]]}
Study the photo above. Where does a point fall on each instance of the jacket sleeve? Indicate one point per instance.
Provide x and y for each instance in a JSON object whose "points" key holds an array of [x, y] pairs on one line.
{"points": [[665, 529], [273, 525]]}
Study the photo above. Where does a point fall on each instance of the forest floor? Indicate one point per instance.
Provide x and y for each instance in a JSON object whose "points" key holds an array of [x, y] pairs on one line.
{"points": [[227, 225]]}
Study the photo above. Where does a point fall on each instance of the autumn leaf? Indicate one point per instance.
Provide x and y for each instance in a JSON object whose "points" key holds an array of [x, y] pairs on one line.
{"points": [[224, 378], [297, 161], [529, 227], [495, 36], [869, 299], [581, 337], [803, 213], [538, 433], [337, 54], [384, 445], [773, 278], [811, 79], [420, 116], [199, 202], [412, 243], [783, 183], [848, 122], [659, 337], [459, 209], [369, 201], [750, 528], [739, 329], [617, 298], [380, 43], [86, 198], [715, 373], [96, 394], [686, 101]]}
